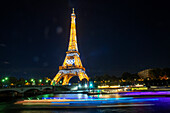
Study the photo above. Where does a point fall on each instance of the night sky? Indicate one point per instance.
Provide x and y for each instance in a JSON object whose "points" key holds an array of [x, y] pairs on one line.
{"points": [[114, 36]]}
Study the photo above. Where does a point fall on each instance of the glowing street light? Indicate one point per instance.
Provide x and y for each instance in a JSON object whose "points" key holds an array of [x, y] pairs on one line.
{"points": [[60, 82], [85, 85], [26, 81], [32, 80], [91, 84], [6, 78], [3, 80], [40, 80], [46, 81], [79, 85]]}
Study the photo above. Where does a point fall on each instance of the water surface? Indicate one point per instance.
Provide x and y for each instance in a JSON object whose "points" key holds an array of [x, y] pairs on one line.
{"points": [[154, 105]]}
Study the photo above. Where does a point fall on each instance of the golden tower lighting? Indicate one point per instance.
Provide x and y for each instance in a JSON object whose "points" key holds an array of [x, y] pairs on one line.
{"points": [[72, 65]]}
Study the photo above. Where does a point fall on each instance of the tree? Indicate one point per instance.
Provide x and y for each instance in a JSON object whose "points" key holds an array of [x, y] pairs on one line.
{"points": [[106, 77], [166, 71], [135, 76], [97, 78], [114, 78], [21, 81], [126, 76], [13, 80], [155, 73]]}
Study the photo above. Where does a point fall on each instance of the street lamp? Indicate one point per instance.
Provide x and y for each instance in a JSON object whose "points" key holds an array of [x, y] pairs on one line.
{"points": [[3, 80], [6, 78], [46, 81], [40, 80], [85, 85], [33, 82], [91, 84], [79, 85]]}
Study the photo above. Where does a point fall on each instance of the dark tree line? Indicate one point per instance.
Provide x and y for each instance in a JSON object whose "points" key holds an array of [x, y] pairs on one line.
{"points": [[130, 77], [125, 76], [105, 77], [158, 72]]}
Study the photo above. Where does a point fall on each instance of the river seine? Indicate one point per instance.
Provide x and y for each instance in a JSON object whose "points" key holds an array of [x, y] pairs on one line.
{"points": [[147, 105]]}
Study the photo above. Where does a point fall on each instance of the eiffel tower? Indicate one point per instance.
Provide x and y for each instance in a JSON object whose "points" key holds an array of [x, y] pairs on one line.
{"points": [[72, 65]]}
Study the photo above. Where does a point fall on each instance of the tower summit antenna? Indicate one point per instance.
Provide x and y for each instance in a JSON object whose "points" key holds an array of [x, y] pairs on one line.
{"points": [[73, 10]]}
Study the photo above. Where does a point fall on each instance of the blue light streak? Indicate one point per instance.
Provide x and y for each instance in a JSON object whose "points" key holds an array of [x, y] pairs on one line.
{"points": [[68, 98], [107, 101]]}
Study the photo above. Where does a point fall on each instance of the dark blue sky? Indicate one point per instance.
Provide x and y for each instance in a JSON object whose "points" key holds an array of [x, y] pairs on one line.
{"points": [[113, 36]]}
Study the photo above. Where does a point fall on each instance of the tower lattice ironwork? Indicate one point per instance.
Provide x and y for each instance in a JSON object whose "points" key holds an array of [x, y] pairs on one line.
{"points": [[72, 65]]}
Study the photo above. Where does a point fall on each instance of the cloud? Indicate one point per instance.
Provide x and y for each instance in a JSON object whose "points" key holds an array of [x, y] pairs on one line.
{"points": [[2, 45], [59, 30], [36, 59], [6, 62]]}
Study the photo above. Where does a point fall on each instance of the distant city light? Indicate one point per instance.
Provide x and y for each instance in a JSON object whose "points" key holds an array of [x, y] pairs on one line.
{"points": [[91, 84], [85, 85], [107, 86], [79, 85], [138, 85], [74, 88], [116, 86]]}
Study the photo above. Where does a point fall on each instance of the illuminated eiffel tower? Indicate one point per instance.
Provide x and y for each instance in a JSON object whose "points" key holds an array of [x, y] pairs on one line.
{"points": [[72, 65]]}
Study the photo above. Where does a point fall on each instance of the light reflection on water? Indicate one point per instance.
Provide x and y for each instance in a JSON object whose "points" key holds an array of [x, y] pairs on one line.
{"points": [[66, 96], [77, 96], [162, 105]]}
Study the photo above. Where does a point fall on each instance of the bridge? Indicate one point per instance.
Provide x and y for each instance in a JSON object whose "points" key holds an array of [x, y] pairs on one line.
{"points": [[26, 88]]}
